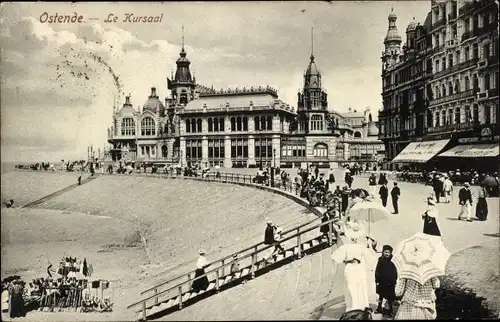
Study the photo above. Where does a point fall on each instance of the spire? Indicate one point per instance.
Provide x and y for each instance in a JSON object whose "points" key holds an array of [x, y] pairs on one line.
{"points": [[312, 43], [183, 52]]}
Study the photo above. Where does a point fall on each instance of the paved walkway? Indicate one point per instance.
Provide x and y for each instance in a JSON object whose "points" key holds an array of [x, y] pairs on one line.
{"points": [[307, 289]]}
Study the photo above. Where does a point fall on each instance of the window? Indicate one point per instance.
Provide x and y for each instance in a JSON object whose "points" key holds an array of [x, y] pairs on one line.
{"points": [[239, 148], [128, 126], [467, 83], [270, 123], [263, 148], [198, 127], [486, 51], [148, 126], [486, 81], [316, 123], [216, 149], [476, 84], [443, 90], [193, 125], [450, 61], [466, 53], [450, 88], [449, 119], [193, 150], [475, 53], [210, 125], [164, 151], [188, 126], [443, 117], [457, 115], [437, 119], [263, 123], [475, 113], [320, 150], [233, 124], [357, 134], [487, 114], [457, 85], [256, 121], [468, 115], [443, 64], [245, 123], [238, 124]]}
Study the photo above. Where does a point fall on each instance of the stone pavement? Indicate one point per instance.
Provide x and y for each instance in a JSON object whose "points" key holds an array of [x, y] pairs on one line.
{"points": [[309, 288]]}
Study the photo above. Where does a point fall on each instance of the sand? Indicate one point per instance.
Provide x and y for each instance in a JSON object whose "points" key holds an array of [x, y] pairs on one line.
{"points": [[175, 218]]}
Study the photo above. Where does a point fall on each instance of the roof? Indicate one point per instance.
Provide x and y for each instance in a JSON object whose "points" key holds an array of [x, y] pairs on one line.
{"points": [[236, 102], [126, 110], [153, 103]]}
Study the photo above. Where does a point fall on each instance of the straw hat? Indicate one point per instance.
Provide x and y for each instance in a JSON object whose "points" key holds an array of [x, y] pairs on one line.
{"points": [[466, 184], [269, 222], [202, 252], [431, 201], [354, 231]]}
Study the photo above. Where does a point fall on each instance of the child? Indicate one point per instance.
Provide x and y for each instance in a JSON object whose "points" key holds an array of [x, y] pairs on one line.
{"points": [[386, 277], [235, 266]]}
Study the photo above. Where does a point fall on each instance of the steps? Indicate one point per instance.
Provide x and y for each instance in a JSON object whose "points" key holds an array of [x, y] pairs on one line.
{"points": [[176, 302], [59, 192]]}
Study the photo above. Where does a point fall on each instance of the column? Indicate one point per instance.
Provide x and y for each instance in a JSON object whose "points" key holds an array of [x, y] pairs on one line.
{"points": [[227, 152], [182, 152], [251, 124], [276, 142], [347, 152], [204, 125], [204, 151], [251, 149]]}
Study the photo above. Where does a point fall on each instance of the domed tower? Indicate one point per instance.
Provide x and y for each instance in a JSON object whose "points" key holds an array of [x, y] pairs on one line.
{"points": [[183, 85], [312, 103], [392, 42], [411, 32], [153, 104]]}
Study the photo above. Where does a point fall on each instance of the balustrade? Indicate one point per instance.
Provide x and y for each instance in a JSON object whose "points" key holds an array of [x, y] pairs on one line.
{"points": [[453, 97]]}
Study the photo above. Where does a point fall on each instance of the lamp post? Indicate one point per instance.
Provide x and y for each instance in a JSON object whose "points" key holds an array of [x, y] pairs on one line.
{"points": [[260, 150], [274, 158]]}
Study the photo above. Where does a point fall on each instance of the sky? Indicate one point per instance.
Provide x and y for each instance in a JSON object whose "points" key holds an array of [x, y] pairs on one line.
{"points": [[59, 80]]}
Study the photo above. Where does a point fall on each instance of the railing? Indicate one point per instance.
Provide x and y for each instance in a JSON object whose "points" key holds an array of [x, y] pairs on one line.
{"points": [[217, 270], [452, 43], [453, 97], [482, 95], [457, 67], [467, 35], [468, 6], [438, 24]]}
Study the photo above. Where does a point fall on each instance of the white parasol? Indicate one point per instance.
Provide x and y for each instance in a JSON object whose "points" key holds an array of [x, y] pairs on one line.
{"points": [[421, 257], [368, 211]]}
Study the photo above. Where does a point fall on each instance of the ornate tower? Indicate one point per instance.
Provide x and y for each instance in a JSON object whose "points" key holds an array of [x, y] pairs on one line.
{"points": [[392, 42], [312, 105], [182, 86]]}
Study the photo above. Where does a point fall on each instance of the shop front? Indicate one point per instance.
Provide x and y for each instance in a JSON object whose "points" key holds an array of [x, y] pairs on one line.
{"points": [[416, 154]]}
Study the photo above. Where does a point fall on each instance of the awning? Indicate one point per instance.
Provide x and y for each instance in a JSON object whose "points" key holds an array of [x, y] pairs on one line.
{"points": [[472, 151], [420, 152]]}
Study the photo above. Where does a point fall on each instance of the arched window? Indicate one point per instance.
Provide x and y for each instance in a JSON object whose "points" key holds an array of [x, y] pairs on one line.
{"points": [[165, 128], [198, 125], [475, 112], [339, 151], [233, 124], [457, 115], [467, 83], [449, 119], [128, 126], [476, 84], [357, 134], [238, 124], [256, 123], [450, 88], [210, 125], [193, 125], [221, 124], [316, 123], [468, 114], [436, 118], [263, 123], [148, 126], [245, 123], [164, 151], [215, 125], [188, 126], [269, 123], [320, 150]]}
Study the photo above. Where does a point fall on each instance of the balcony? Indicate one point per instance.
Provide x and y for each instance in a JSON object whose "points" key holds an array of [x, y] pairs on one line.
{"points": [[493, 92], [485, 29], [437, 49], [452, 43], [482, 96], [453, 97], [467, 35], [438, 24], [455, 68], [452, 127], [482, 63], [469, 6]]}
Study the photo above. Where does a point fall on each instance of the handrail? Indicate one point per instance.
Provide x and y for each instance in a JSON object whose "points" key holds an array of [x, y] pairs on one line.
{"points": [[224, 258], [299, 233]]}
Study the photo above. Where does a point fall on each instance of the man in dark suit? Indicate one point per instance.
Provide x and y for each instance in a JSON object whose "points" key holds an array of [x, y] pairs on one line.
{"points": [[384, 194], [437, 185], [465, 202], [395, 193]]}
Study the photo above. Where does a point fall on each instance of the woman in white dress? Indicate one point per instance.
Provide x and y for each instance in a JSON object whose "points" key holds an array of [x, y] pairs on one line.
{"points": [[358, 259]]}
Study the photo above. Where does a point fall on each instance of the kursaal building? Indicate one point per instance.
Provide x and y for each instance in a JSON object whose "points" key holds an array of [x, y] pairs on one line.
{"points": [[241, 127]]}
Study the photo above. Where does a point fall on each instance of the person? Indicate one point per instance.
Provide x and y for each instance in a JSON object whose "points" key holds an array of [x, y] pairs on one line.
{"points": [[418, 302], [79, 180], [372, 181], [357, 259], [349, 179], [345, 199], [9, 204], [272, 234], [465, 201], [384, 194], [316, 171], [325, 229], [235, 266], [202, 263], [447, 188], [395, 193], [430, 219], [331, 177], [382, 179], [386, 277], [16, 290], [482, 205], [437, 185]]}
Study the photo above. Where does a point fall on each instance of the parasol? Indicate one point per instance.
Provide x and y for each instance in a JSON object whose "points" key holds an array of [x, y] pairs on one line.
{"points": [[491, 182], [421, 257], [362, 193], [368, 211]]}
